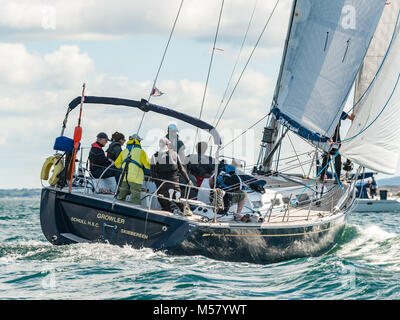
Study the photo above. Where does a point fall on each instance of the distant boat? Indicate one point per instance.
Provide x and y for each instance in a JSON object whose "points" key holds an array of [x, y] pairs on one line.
{"points": [[382, 202]]}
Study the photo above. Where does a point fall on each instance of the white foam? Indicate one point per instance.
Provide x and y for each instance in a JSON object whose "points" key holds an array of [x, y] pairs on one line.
{"points": [[375, 246]]}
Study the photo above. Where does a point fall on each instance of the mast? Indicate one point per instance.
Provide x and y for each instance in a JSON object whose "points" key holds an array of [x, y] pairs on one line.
{"points": [[271, 130]]}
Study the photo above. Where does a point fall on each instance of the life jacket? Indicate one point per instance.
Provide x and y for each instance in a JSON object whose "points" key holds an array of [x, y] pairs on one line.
{"points": [[137, 162], [91, 156], [167, 165], [229, 181]]}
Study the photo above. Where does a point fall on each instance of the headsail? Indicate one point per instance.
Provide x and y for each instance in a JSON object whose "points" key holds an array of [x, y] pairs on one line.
{"points": [[376, 52], [327, 43], [373, 138]]}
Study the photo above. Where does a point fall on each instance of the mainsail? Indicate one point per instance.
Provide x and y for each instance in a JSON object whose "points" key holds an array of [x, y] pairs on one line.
{"points": [[327, 42], [373, 138], [376, 52]]}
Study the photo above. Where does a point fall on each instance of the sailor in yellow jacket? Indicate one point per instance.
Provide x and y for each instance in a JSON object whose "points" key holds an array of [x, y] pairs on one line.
{"points": [[133, 174]]}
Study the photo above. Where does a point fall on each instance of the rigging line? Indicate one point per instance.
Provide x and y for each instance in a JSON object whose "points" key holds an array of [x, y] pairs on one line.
{"points": [[236, 62], [162, 60], [253, 125], [294, 149], [209, 70], [247, 62], [279, 153], [378, 115], [337, 152]]}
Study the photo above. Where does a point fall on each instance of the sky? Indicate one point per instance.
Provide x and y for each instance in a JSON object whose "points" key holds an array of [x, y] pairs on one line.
{"points": [[49, 48]]}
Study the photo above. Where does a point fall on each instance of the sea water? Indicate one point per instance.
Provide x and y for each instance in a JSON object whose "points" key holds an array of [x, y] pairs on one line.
{"points": [[365, 264]]}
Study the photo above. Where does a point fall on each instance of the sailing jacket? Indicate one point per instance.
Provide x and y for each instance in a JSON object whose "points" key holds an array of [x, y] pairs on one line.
{"points": [[97, 157], [114, 150], [167, 166], [137, 161]]}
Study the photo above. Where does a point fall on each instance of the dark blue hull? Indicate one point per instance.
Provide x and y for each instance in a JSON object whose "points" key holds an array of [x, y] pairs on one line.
{"points": [[70, 218]]}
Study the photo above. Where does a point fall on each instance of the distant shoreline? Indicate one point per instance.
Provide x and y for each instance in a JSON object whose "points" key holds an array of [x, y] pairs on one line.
{"points": [[19, 193]]}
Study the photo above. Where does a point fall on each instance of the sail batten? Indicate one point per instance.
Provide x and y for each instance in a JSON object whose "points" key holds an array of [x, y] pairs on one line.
{"points": [[328, 41]]}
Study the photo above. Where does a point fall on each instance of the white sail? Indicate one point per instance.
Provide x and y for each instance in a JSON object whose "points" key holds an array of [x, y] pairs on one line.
{"points": [[326, 46], [376, 52], [373, 139]]}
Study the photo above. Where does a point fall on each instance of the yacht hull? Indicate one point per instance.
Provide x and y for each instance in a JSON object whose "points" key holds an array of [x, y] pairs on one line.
{"points": [[68, 218]]}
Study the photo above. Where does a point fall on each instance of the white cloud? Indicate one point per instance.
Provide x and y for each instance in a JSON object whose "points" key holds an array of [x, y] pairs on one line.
{"points": [[56, 69], [103, 19]]}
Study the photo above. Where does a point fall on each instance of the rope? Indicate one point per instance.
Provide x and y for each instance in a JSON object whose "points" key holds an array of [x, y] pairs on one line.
{"points": [[253, 125], [236, 62], [209, 70], [162, 61], [247, 62], [337, 152], [294, 149]]}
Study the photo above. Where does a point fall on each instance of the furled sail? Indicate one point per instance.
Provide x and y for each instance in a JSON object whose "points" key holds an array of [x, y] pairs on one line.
{"points": [[376, 52], [327, 42], [373, 139]]}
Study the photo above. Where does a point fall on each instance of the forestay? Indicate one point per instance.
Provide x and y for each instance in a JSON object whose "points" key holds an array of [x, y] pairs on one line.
{"points": [[327, 41], [373, 138]]}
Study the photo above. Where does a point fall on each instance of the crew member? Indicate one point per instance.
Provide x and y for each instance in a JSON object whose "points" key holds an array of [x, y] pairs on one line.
{"points": [[98, 160], [175, 143], [115, 148], [133, 173], [199, 164], [232, 184], [166, 166]]}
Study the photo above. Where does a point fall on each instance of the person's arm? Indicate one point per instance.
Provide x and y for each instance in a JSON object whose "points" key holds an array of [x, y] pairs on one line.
{"points": [[182, 170], [99, 159], [153, 170], [118, 161], [145, 163]]}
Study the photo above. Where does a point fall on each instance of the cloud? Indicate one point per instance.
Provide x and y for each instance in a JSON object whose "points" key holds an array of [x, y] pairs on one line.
{"points": [[21, 68], [102, 19]]}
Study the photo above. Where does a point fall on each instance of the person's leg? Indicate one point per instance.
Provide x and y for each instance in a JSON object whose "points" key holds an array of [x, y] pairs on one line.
{"points": [[338, 165], [240, 198], [123, 191], [135, 192], [242, 202], [112, 172], [165, 203], [324, 167]]}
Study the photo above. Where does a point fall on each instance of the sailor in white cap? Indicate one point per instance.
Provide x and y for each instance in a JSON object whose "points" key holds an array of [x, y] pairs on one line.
{"points": [[176, 144]]}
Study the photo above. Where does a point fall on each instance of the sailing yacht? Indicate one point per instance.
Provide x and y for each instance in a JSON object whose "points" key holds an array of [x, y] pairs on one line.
{"points": [[291, 215]]}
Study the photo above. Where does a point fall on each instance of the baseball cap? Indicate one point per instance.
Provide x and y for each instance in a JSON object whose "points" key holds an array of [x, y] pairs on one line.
{"points": [[173, 127], [103, 135]]}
